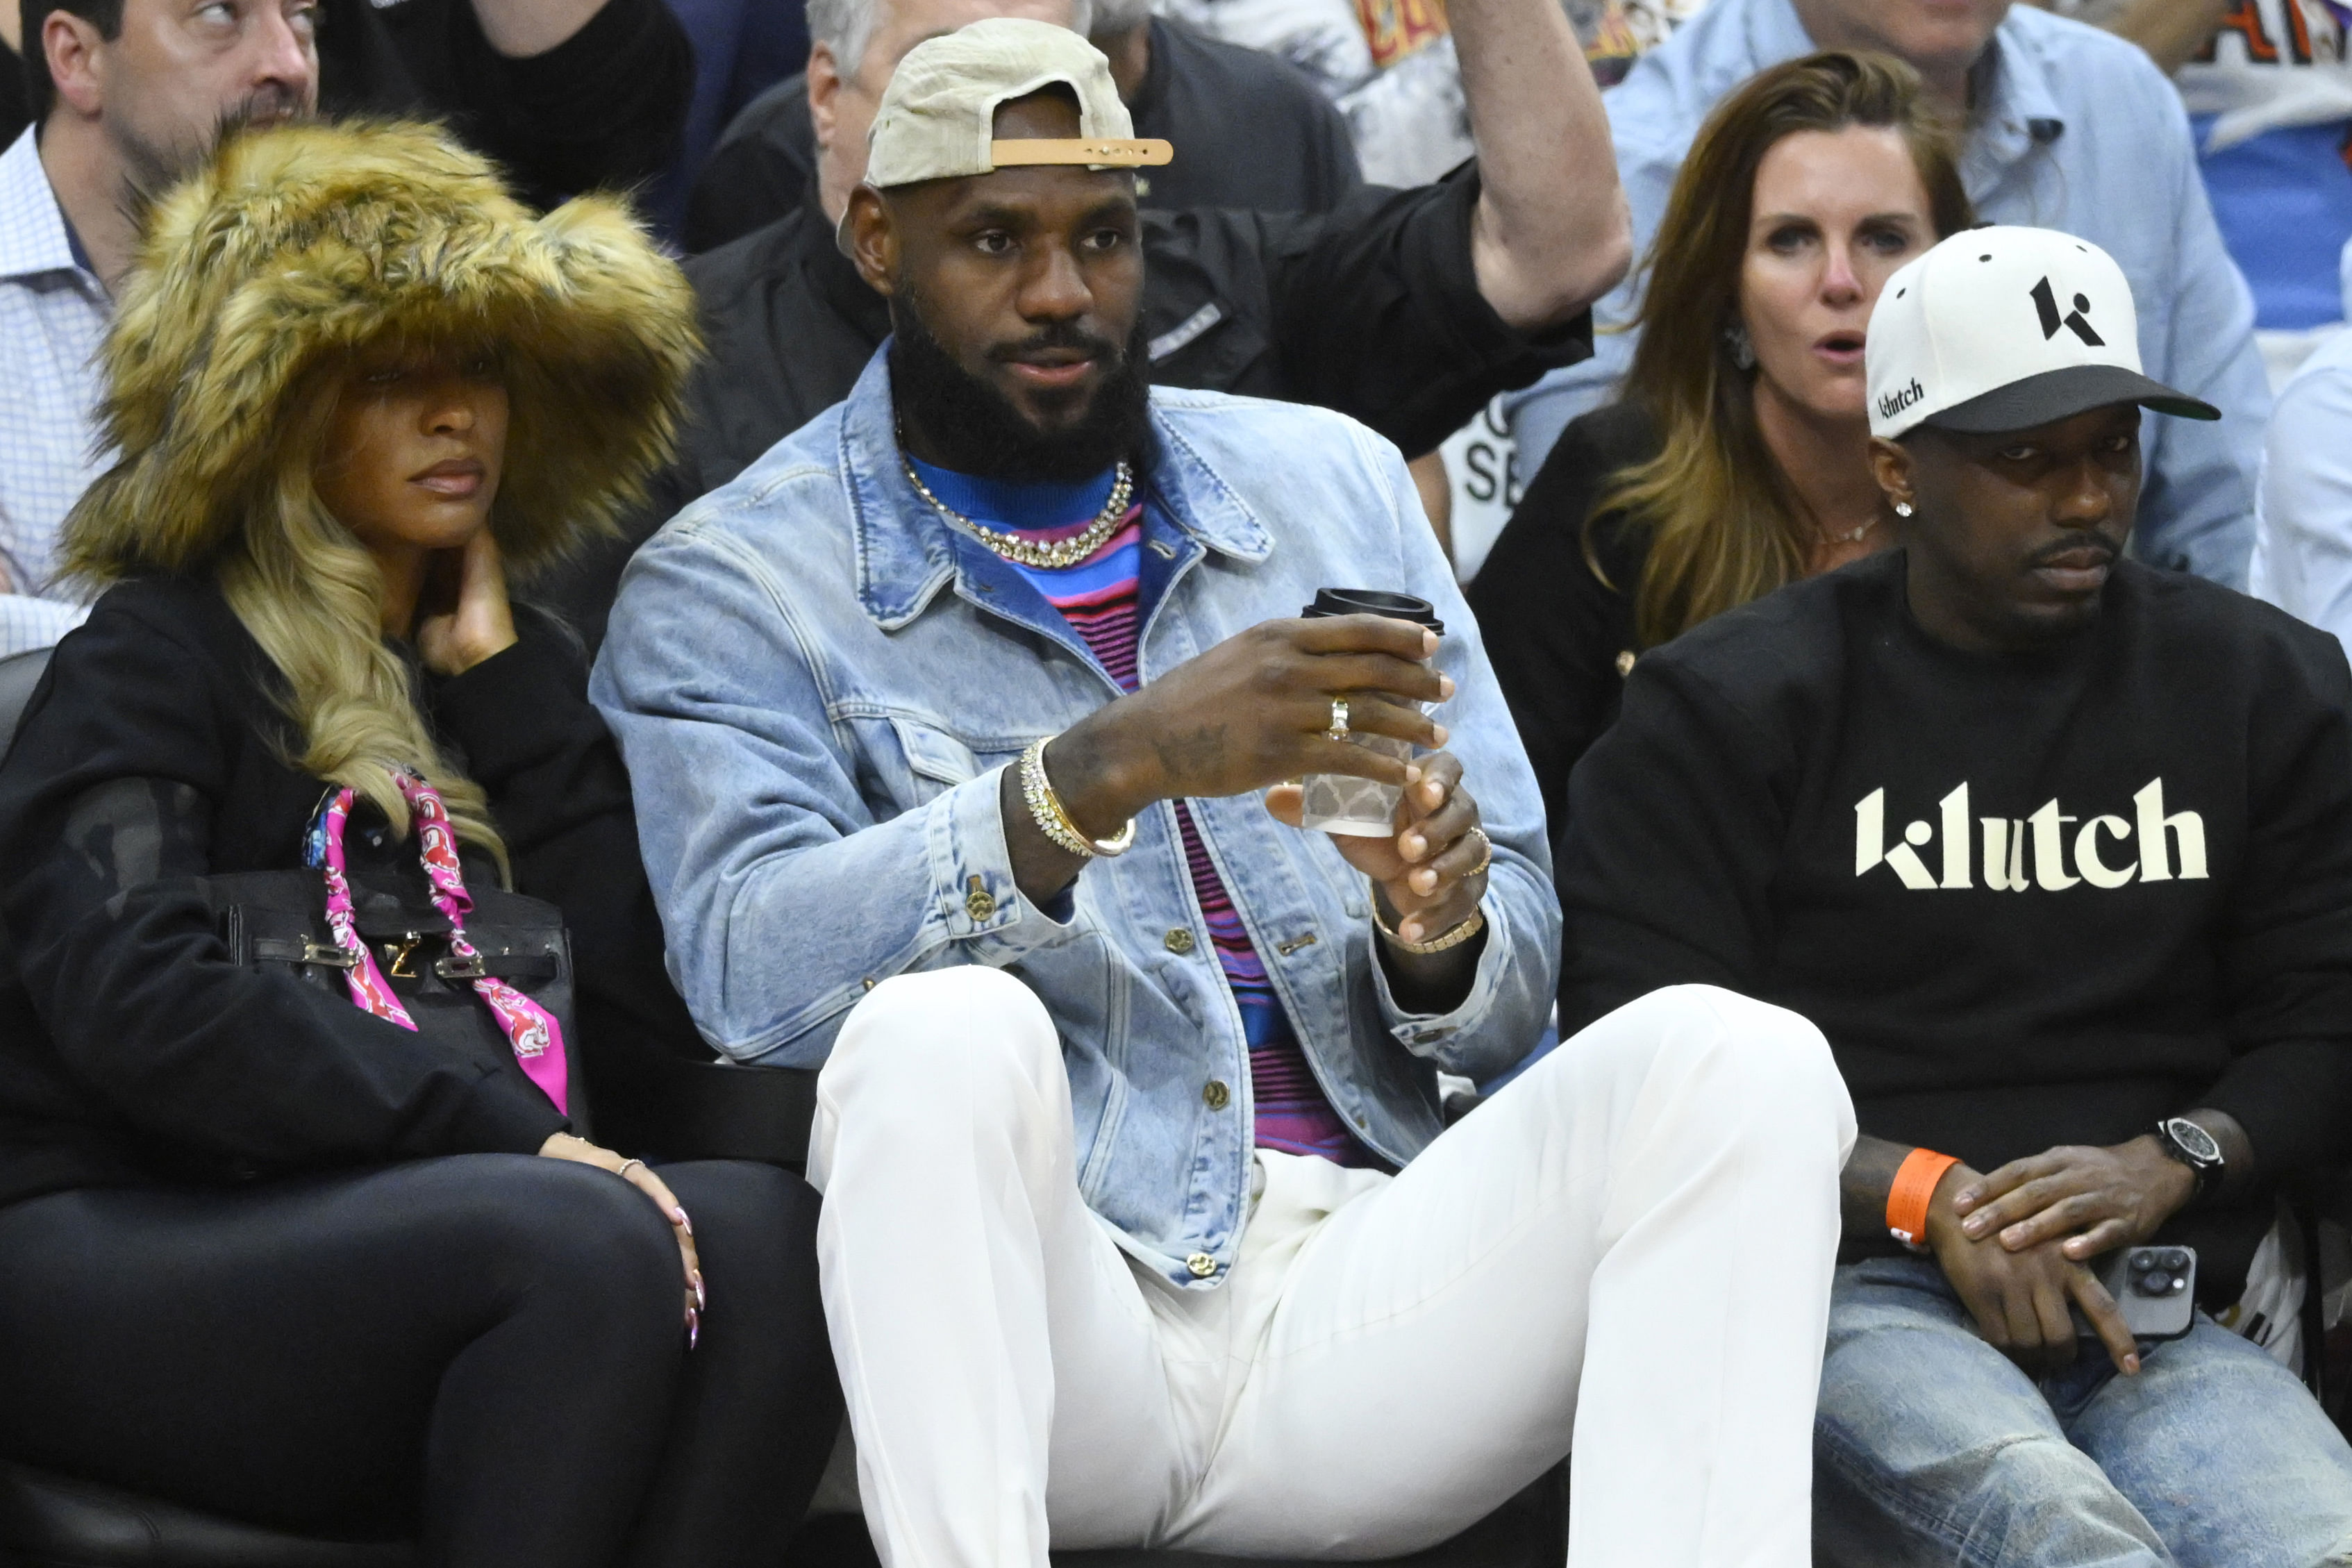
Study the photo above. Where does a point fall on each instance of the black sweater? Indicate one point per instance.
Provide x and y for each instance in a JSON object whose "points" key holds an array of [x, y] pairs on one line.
{"points": [[132, 1050], [1775, 811], [1559, 634]]}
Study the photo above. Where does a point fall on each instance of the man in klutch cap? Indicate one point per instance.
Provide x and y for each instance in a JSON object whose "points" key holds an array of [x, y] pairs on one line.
{"points": [[2056, 849], [960, 725]]}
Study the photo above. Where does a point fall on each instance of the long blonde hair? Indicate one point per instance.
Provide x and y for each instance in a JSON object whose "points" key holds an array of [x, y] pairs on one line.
{"points": [[1724, 524], [311, 597]]}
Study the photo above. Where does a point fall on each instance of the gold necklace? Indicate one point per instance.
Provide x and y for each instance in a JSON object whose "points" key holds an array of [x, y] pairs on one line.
{"points": [[1028, 552]]}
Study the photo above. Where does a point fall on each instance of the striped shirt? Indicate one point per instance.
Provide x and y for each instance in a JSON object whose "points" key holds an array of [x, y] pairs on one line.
{"points": [[1101, 599], [53, 316]]}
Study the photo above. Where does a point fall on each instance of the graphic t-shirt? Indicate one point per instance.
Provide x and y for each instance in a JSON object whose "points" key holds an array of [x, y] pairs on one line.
{"points": [[1101, 597], [2035, 898]]}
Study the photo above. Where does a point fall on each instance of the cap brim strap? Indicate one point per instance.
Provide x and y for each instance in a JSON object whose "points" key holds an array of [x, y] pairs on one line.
{"points": [[1113, 151]]}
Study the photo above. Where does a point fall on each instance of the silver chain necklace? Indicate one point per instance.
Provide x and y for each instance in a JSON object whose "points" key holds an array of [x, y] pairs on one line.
{"points": [[1029, 553]]}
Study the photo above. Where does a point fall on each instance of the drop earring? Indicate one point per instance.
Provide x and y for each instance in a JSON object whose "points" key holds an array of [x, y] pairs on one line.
{"points": [[1743, 352], [1903, 509]]}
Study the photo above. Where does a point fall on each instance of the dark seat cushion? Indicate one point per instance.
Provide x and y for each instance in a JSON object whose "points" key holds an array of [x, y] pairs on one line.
{"points": [[20, 673], [53, 1522]]}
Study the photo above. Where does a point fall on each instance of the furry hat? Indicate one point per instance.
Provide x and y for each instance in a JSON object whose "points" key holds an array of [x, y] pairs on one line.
{"points": [[304, 241]]}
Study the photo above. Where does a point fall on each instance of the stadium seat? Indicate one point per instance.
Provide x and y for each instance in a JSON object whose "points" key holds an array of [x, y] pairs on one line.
{"points": [[20, 673]]}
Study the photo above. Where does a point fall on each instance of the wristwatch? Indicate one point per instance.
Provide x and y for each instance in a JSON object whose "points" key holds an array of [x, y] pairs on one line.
{"points": [[2195, 1148]]}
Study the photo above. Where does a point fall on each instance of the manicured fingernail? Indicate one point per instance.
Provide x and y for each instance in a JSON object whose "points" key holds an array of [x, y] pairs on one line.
{"points": [[1444, 686], [701, 1296], [678, 1217], [693, 1328]]}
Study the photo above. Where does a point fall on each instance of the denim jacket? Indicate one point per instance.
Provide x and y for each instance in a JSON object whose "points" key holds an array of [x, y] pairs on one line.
{"points": [[816, 682]]}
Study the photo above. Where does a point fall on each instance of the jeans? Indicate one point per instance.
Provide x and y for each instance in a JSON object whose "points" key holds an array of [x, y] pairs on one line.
{"points": [[1932, 1447]]}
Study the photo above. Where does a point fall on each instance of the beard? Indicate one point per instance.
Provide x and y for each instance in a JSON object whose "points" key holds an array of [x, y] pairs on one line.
{"points": [[976, 429], [152, 166]]}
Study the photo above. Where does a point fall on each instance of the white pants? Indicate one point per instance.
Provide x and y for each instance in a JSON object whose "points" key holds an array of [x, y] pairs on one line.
{"points": [[1627, 1250]]}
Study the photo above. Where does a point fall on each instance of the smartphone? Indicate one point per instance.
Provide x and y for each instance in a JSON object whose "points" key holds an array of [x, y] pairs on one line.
{"points": [[2155, 1287]]}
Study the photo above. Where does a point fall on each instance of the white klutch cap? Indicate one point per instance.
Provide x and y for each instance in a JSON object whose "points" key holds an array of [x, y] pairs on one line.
{"points": [[2004, 328]]}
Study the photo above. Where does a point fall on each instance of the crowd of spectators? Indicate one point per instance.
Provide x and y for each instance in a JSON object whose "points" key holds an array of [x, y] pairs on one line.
{"points": [[1768, 988]]}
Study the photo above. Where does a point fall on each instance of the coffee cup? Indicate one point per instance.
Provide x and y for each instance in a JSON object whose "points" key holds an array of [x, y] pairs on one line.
{"points": [[1341, 803]]}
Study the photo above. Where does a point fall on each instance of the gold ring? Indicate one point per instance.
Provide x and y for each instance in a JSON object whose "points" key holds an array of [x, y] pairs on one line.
{"points": [[1338, 730], [1485, 854]]}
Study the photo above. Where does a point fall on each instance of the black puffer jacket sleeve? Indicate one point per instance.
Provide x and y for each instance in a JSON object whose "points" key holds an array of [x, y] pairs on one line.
{"points": [[111, 800]]}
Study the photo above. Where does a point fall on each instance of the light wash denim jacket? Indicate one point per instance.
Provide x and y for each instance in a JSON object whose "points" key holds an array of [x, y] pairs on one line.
{"points": [[817, 681]]}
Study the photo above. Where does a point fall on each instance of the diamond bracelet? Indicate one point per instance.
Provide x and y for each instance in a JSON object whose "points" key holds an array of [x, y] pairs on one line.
{"points": [[1053, 821]]}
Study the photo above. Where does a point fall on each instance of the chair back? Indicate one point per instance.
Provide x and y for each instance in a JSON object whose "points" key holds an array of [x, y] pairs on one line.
{"points": [[19, 674]]}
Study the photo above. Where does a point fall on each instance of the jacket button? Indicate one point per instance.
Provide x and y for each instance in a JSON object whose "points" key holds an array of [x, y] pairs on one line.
{"points": [[978, 903], [1177, 940], [1217, 1094], [1201, 1265]]}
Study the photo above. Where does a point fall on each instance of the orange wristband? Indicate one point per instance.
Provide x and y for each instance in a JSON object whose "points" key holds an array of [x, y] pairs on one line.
{"points": [[1907, 1200]]}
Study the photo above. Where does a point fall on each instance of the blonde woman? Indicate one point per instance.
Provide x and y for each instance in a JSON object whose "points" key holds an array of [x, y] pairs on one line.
{"points": [[1738, 457], [267, 1247]]}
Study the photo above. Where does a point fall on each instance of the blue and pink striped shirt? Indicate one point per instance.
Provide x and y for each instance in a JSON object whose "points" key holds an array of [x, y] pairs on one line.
{"points": [[1101, 598]]}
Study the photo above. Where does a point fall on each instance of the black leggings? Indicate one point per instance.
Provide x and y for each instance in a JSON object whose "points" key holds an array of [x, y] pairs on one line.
{"points": [[485, 1352]]}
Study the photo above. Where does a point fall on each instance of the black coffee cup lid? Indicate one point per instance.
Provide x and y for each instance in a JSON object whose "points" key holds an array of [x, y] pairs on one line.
{"points": [[1374, 602]]}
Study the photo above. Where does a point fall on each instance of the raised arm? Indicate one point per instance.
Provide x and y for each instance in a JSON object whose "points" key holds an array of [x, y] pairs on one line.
{"points": [[1552, 233]]}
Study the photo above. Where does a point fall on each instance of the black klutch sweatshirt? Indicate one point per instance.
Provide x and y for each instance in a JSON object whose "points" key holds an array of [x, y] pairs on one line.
{"points": [[2031, 900]]}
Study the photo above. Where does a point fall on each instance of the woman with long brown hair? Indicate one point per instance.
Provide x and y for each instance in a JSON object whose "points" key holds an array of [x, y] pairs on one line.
{"points": [[1737, 459]]}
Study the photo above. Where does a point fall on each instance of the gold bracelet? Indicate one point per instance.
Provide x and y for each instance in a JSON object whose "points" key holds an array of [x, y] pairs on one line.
{"points": [[1438, 943], [1047, 810]]}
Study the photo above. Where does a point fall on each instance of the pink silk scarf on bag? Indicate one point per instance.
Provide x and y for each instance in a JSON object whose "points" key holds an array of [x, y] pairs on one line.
{"points": [[537, 1038]]}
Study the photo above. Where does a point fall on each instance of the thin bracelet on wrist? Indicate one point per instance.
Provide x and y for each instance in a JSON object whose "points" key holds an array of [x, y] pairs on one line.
{"points": [[1054, 821], [1438, 943]]}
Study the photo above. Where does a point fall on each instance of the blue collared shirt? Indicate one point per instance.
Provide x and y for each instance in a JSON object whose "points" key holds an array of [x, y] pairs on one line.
{"points": [[817, 683], [2073, 129], [53, 316]]}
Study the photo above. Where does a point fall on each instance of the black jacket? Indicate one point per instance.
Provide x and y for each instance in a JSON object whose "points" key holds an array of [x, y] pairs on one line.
{"points": [[602, 109], [1559, 634], [2032, 899], [132, 1050], [1372, 309], [1250, 131]]}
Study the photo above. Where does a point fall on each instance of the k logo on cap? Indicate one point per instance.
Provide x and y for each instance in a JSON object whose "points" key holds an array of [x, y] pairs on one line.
{"points": [[2002, 329], [2047, 303]]}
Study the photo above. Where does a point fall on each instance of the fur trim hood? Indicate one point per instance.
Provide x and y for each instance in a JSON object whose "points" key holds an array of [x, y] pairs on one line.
{"points": [[299, 243]]}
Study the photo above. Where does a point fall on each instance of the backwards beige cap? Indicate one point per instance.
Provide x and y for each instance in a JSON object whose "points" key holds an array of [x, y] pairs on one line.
{"points": [[937, 116]]}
